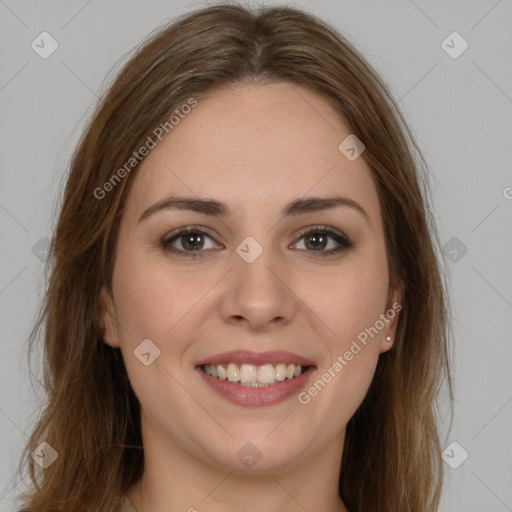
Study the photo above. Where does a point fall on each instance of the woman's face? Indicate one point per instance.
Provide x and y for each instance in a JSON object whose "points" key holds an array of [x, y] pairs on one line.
{"points": [[260, 273]]}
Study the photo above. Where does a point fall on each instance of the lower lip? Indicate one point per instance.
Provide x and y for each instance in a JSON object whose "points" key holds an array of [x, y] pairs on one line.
{"points": [[252, 397]]}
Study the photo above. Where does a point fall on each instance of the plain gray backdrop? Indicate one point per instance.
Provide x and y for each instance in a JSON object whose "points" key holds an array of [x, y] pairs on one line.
{"points": [[458, 102]]}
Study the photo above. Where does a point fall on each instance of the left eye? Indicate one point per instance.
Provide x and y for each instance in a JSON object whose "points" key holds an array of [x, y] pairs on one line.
{"points": [[317, 239]]}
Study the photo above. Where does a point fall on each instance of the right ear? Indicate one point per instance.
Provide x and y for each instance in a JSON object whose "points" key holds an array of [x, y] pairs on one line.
{"points": [[106, 319]]}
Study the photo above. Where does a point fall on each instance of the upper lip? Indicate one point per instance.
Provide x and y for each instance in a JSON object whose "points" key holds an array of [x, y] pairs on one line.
{"points": [[256, 358]]}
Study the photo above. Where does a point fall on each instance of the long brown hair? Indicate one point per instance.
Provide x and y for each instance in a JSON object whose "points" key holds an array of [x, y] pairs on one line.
{"points": [[392, 456]]}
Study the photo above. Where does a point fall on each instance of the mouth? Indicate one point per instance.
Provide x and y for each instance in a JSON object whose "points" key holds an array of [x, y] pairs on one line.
{"points": [[250, 375], [254, 379]]}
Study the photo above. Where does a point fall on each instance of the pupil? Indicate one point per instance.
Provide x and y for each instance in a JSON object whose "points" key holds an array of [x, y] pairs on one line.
{"points": [[318, 240], [194, 244]]}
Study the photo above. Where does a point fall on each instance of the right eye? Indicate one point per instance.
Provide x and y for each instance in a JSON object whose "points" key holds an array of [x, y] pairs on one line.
{"points": [[191, 240]]}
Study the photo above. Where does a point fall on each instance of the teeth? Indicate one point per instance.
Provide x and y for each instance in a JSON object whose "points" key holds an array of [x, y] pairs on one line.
{"points": [[220, 370], [266, 374], [233, 372], [280, 372], [250, 375]]}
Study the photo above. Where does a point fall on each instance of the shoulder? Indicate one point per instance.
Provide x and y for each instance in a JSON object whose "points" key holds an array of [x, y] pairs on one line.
{"points": [[125, 505]]}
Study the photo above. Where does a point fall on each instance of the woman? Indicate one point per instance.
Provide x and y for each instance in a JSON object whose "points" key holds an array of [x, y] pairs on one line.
{"points": [[245, 309]]}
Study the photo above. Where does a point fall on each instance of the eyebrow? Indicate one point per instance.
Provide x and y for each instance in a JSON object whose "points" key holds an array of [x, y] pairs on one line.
{"points": [[218, 209]]}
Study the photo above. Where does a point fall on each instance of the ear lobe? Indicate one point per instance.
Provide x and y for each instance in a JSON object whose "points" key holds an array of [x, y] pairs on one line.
{"points": [[393, 308], [106, 319]]}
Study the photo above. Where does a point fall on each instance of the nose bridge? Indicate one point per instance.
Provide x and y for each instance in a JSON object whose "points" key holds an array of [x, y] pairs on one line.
{"points": [[256, 264], [257, 289]]}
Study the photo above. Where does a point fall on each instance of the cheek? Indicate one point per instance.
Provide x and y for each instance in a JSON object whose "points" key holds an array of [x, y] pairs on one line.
{"points": [[349, 300], [152, 299], [350, 306], [155, 304]]}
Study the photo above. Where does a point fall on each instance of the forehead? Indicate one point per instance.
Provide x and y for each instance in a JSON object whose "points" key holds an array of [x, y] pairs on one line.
{"points": [[261, 145]]}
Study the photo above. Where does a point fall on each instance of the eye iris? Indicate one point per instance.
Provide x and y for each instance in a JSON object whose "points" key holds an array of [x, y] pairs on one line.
{"points": [[185, 240], [319, 240]]}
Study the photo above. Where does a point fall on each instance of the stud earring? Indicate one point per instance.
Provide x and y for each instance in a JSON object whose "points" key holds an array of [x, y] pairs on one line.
{"points": [[388, 338]]}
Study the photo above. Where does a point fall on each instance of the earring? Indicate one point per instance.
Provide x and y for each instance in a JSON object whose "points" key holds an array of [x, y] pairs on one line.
{"points": [[388, 338]]}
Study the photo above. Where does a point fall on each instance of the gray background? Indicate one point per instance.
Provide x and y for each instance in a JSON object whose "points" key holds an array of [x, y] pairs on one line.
{"points": [[459, 109]]}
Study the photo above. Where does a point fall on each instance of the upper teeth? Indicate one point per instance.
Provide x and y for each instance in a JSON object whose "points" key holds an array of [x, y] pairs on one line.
{"points": [[252, 375]]}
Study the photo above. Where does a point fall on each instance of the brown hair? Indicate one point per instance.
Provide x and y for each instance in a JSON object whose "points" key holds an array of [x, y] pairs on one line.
{"points": [[392, 457]]}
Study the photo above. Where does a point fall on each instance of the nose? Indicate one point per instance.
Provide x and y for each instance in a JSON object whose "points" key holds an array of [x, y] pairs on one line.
{"points": [[259, 292]]}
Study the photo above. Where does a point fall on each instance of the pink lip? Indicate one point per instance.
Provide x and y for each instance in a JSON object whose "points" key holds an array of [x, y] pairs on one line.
{"points": [[253, 397], [257, 358]]}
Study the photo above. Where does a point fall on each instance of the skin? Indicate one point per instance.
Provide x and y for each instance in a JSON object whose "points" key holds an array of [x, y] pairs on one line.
{"points": [[255, 148]]}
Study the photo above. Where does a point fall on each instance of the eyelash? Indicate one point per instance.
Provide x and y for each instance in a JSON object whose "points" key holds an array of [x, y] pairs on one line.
{"points": [[340, 238]]}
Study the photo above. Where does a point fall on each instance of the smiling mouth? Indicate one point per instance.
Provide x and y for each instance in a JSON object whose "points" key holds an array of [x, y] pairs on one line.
{"points": [[256, 376]]}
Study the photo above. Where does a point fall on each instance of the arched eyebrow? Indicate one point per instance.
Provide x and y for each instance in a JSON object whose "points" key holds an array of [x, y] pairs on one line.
{"points": [[216, 208]]}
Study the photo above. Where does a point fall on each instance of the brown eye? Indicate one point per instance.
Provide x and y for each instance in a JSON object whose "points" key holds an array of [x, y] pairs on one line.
{"points": [[320, 238], [187, 242], [316, 241], [191, 241]]}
